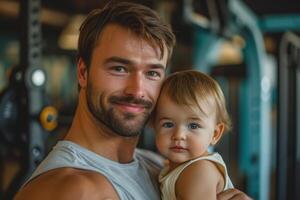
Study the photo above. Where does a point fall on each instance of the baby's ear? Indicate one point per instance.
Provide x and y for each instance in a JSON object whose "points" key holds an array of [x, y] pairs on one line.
{"points": [[218, 132]]}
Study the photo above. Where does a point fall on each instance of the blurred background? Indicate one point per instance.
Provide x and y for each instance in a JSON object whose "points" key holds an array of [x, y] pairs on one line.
{"points": [[252, 48]]}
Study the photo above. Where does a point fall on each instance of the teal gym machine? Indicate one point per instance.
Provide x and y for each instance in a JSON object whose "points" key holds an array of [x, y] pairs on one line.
{"points": [[230, 18]]}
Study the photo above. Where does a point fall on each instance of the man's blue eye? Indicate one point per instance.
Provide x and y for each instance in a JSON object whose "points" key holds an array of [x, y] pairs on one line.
{"points": [[167, 125], [154, 73], [193, 126], [119, 69]]}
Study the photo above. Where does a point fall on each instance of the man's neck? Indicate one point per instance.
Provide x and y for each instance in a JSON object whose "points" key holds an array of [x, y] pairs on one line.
{"points": [[95, 136]]}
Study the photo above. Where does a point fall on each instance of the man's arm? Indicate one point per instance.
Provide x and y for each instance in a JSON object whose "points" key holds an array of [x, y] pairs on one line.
{"points": [[232, 194], [65, 184]]}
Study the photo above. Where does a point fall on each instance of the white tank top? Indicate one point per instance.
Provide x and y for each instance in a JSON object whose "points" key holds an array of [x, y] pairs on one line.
{"points": [[134, 180], [168, 180]]}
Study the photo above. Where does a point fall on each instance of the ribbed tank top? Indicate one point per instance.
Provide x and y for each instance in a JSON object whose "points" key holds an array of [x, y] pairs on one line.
{"points": [[168, 179], [134, 180]]}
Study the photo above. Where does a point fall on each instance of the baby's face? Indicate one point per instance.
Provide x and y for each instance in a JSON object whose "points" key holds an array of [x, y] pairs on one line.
{"points": [[182, 133]]}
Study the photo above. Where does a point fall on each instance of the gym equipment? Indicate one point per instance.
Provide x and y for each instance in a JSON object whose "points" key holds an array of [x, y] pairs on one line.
{"points": [[288, 138], [25, 118]]}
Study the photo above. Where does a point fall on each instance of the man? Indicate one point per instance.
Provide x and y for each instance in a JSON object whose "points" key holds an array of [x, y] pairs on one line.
{"points": [[123, 53]]}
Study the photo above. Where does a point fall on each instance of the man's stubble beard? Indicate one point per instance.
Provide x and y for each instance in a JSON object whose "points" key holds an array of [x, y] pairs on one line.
{"points": [[120, 123]]}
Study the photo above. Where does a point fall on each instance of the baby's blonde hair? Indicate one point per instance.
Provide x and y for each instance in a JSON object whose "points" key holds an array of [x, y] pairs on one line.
{"points": [[193, 88]]}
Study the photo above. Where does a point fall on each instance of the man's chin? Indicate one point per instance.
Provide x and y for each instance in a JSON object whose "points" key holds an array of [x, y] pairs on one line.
{"points": [[127, 133], [130, 130], [128, 124]]}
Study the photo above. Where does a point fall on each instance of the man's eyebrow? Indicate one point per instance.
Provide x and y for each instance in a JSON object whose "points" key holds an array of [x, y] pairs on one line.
{"points": [[129, 62], [119, 60], [158, 66]]}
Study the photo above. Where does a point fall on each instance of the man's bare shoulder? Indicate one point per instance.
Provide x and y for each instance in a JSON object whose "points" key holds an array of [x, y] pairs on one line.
{"points": [[68, 183]]}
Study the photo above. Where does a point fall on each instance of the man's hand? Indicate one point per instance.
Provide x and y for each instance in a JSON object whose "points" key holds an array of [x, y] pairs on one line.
{"points": [[232, 194]]}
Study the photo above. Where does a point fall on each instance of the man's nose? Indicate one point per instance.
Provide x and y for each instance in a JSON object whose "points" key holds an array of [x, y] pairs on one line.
{"points": [[135, 86]]}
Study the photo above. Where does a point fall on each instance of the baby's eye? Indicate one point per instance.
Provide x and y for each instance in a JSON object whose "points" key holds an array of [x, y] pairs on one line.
{"points": [[167, 125], [193, 126]]}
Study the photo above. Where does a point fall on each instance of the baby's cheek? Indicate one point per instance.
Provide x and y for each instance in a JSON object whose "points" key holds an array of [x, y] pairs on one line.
{"points": [[161, 144]]}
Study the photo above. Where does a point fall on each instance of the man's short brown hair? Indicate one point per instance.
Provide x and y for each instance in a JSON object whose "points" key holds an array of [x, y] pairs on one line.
{"points": [[140, 19]]}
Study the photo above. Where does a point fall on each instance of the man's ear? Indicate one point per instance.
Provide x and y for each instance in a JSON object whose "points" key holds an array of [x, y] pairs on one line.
{"points": [[81, 73], [218, 132]]}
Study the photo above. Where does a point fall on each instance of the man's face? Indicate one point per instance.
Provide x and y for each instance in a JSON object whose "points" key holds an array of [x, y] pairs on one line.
{"points": [[124, 80]]}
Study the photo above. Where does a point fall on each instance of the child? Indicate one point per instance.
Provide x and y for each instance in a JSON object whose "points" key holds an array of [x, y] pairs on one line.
{"points": [[189, 117]]}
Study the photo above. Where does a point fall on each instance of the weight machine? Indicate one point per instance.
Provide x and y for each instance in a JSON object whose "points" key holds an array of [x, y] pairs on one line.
{"points": [[227, 18], [288, 138], [25, 118]]}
